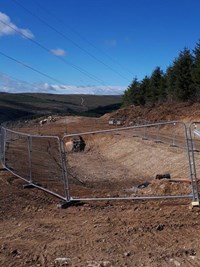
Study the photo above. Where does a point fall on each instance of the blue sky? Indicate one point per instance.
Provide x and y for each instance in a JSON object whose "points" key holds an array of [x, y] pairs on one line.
{"points": [[92, 45]]}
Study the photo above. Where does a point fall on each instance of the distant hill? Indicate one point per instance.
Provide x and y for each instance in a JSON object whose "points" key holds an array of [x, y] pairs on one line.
{"points": [[28, 105]]}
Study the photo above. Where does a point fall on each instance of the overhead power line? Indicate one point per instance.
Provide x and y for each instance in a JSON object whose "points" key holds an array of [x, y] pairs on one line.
{"points": [[31, 68], [91, 76], [82, 37], [69, 39]]}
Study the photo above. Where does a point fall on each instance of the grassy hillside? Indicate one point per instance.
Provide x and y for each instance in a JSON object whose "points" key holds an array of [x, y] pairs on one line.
{"points": [[17, 106]]}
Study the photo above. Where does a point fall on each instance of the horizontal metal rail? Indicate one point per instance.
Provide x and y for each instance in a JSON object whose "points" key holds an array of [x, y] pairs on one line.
{"points": [[132, 198], [32, 135], [127, 128]]}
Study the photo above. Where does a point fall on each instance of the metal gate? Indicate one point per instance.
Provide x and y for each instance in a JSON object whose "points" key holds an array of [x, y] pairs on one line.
{"points": [[38, 160], [117, 163], [194, 158]]}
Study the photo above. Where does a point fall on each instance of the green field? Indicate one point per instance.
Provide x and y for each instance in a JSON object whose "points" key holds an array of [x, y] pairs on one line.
{"points": [[28, 106]]}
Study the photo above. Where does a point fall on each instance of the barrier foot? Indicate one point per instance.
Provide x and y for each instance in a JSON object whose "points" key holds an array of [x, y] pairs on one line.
{"points": [[195, 204], [68, 204], [30, 185]]}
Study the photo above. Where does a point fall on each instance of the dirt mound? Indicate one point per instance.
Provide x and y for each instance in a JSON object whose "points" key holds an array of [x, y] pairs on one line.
{"points": [[166, 187], [163, 112]]}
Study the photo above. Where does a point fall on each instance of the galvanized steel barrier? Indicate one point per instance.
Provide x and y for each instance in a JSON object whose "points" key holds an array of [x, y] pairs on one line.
{"points": [[113, 165], [36, 159], [96, 175], [1, 144], [194, 158]]}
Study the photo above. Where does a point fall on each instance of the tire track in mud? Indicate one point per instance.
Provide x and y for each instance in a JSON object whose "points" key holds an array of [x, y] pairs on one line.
{"points": [[117, 243], [182, 254], [41, 199], [79, 244], [173, 260]]}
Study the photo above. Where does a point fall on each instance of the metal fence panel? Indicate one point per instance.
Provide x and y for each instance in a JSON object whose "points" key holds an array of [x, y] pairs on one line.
{"points": [[194, 148], [1, 144], [46, 164], [172, 133], [195, 131], [117, 164], [16, 154], [35, 159]]}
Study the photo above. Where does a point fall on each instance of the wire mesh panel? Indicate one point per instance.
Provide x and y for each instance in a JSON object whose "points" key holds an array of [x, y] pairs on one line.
{"points": [[46, 164], [16, 153], [1, 144], [117, 164], [35, 159], [194, 130], [169, 133], [195, 135]]}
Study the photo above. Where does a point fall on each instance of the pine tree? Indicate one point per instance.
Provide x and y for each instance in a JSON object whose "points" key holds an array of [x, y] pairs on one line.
{"points": [[182, 70], [196, 71], [157, 91], [171, 83], [145, 91], [131, 95], [181, 82]]}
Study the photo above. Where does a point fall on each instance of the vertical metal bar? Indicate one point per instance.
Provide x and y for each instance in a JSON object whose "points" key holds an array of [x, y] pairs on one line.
{"points": [[145, 134], [4, 147], [2, 144], [174, 135], [64, 171], [30, 157], [192, 168], [158, 135], [189, 160], [193, 139]]}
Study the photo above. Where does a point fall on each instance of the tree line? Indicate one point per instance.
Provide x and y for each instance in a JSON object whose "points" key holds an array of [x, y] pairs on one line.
{"points": [[179, 83]]}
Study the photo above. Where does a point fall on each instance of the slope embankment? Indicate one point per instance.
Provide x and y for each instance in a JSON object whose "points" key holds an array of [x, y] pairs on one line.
{"points": [[164, 112]]}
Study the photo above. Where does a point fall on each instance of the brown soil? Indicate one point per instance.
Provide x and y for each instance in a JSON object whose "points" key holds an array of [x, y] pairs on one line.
{"points": [[35, 232], [163, 112]]}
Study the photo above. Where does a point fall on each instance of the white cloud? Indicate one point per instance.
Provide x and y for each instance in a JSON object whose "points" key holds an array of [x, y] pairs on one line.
{"points": [[26, 33], [88, 89], [58, 52], [9, 28], [11, 85]]}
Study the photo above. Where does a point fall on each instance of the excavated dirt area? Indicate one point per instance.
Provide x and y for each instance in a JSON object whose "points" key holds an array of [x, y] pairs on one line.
{"points": [[186, 111], [35, 232]]}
